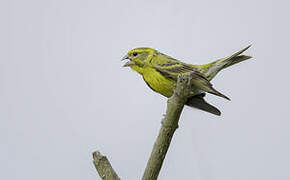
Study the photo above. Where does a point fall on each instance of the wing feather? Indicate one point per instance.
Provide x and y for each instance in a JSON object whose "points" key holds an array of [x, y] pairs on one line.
{"points": [[173, 69]]}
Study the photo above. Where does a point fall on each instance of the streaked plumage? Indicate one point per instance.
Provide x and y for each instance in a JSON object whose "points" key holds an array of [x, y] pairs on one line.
{"points": [[160, 73]]}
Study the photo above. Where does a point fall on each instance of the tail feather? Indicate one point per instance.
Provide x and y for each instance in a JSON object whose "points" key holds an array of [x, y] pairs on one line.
{"points": [[236, 60], [210, 70], [199, 103], [239, 52], [215, 92], [203, 84]]}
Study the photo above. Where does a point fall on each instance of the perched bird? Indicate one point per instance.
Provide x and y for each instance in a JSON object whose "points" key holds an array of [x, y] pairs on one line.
{"points": [[160, 73]]}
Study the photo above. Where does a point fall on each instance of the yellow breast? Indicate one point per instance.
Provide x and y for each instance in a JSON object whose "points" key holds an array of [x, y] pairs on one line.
{"points": [[158, 82]]}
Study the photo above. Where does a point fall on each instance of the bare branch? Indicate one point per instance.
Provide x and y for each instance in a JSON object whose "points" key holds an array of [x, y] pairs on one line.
{"points": [[104, 168], [175, 105]]}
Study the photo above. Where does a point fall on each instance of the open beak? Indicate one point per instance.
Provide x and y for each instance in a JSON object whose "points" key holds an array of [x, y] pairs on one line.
{"points": [[129, 63]]}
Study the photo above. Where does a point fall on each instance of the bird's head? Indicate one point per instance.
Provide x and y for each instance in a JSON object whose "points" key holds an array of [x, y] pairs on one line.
{"points": [[138, 58]]}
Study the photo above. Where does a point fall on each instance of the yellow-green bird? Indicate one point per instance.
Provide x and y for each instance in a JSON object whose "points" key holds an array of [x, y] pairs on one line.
{"points": [[160, 73]]}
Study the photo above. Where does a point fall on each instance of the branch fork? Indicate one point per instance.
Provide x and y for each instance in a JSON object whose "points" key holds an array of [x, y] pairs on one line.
{"points": [[169, 124]]}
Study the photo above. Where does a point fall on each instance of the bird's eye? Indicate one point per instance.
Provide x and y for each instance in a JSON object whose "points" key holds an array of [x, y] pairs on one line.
{"points": [[135, 53]]}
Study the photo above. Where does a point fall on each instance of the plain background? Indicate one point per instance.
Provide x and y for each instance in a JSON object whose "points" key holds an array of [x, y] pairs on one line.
{"points": [[64, 94]]}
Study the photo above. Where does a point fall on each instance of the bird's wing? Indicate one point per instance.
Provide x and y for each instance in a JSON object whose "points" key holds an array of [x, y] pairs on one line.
{"points": [[173, 69]]}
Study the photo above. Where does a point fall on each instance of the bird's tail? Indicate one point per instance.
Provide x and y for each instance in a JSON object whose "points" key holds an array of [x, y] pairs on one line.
{"points": [[210, 70], [199, 103]]}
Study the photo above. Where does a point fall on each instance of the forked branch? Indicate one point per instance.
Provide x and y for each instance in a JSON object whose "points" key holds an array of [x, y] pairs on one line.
{"points": [[175, 105]]}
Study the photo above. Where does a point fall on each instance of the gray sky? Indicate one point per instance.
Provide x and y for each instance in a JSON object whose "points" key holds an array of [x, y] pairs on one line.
{"points": [[64, 93]]}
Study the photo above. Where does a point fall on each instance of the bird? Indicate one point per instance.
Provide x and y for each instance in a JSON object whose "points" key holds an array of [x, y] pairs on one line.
{"points": [[160, 73]]}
